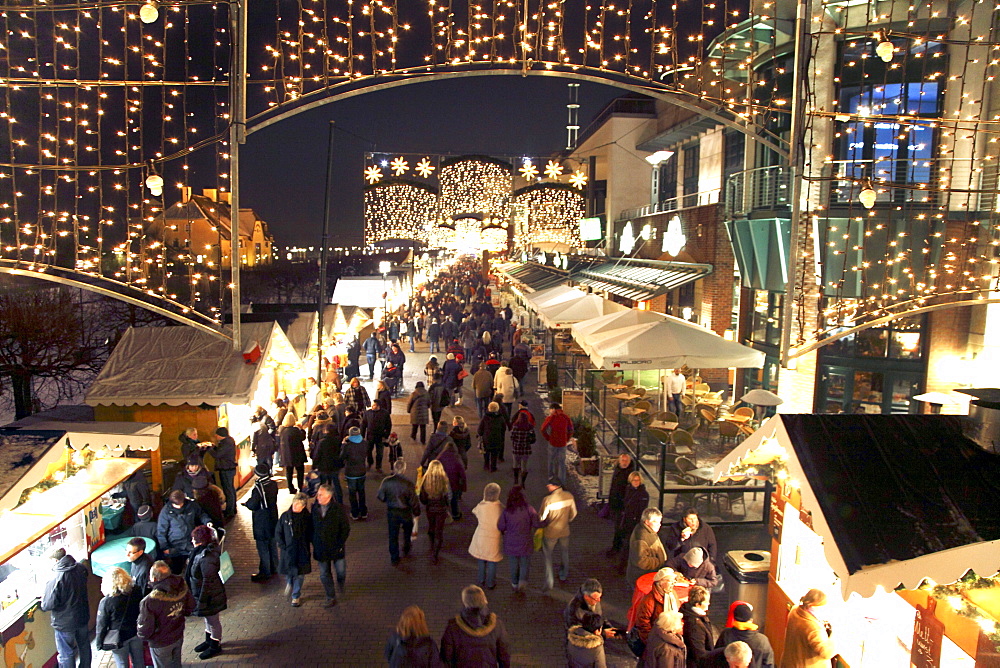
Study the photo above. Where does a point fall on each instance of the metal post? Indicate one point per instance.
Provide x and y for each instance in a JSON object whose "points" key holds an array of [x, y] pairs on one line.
{"points": [[795, 156], [237, 136], [323, 259]]}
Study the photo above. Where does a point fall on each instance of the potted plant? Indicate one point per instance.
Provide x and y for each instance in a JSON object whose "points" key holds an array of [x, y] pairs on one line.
{"points": [[555, 395], [586, 446], [551, 375]]}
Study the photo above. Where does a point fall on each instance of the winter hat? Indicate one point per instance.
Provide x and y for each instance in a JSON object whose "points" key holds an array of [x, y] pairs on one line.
{"points": [[203, 534], [743, 613], [262, 470], [144, 513], [555, 481], [524, 403], [354, 431], [695, 557], [393, 435], [201, 482]]}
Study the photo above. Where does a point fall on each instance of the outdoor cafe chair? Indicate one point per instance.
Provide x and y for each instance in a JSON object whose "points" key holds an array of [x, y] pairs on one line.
{"points": [[667, 416], [642, 405], [746, 429], [638, 391], [629, 383], [729, 431], [744, 410], [707, 415]]}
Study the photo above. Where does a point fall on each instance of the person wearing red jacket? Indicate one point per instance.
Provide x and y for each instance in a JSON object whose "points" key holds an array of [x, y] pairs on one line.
{"points": [[557, 430]]}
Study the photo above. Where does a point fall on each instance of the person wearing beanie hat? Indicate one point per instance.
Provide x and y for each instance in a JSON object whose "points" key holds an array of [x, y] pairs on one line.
{"points": [[204, 579], [193, 469], [210, 498], [558, 509], [696, 567], [476, 636], [263, 506], [354, 452], [740, 627], [145, 527]]}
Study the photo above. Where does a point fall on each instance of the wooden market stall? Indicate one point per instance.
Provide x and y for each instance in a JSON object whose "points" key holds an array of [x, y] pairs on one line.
{"points": [[896, 518]]}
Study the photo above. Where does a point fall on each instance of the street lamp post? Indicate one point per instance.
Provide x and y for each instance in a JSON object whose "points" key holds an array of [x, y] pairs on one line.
{"points": [[384, 267]]}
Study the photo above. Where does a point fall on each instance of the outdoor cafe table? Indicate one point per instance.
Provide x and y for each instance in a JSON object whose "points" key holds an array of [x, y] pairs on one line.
{"points": [[629, 410], [738, 419], [665, 426]]}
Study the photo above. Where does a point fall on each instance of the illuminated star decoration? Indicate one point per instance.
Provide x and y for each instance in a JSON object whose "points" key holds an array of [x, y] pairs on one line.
{"points": [[528, 170], [424, 168], [578, 179], [373, 174], [400, 166], [553, 169]]}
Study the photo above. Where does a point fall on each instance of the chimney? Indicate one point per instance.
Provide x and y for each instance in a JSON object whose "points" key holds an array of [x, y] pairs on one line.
{"points": [[211, 193], [225, 196], [983, 423]]}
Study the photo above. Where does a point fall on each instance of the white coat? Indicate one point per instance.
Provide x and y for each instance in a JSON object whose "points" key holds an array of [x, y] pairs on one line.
{"points": [[506, 384], [487, 542]]}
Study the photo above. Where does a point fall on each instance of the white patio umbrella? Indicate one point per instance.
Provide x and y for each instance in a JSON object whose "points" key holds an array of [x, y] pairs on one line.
{"points": [[564, 314], [938, 399], [761, 397], [554, 295], [587, 332]]}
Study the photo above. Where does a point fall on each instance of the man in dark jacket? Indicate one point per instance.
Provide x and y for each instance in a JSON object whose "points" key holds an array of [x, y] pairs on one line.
{"points": [[328, 460], [162, 613], [377, 427], [173, 530], [145, 527], [616, 494], [439, 397], [372, 348], [699, 636], [476, 636], [587, 600], [224, 452], [135, 552], [263, 504], [193, 470], [355, 451], [66, 598], [436, 443], [263, 444], [400, 498], [330, 531], [694, 566], [744, 629], [689, 531]]}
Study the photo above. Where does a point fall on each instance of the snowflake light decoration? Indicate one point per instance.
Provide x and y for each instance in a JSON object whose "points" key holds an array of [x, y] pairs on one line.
{"points": [[424, 168], [528, 170], [400, 166], [553, 169], [578, 179], [373, 174]]}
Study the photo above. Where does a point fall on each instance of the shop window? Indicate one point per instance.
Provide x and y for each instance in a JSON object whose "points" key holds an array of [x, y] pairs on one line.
{"points": [[668, 180], [844, 389], [766, 318], [692, 158]]}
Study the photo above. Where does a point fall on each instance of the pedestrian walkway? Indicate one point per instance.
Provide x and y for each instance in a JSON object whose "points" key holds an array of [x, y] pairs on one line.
{"points": [[261, 629]]}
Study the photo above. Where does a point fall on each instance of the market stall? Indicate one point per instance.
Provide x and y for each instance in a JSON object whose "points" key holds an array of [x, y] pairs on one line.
{"points": [[888, 514], [58, 490], [182, 377]]}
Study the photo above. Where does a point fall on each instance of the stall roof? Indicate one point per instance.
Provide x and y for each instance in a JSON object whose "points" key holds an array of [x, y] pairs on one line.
{"points": [[365, 291], [900, 498], [20, 450], [182, 365], [639, 280], [537, 276], [562, 315]]}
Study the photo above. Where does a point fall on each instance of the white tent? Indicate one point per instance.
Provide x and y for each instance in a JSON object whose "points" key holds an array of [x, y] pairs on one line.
{"points": [[670, 343], [560, 294], [564, 314], [794, 441], [367, 291], [587, 332]]}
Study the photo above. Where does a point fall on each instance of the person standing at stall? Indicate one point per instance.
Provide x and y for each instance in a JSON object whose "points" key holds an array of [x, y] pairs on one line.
{"points": [[161, 616], [117, 617], [808, 639], [224, 452], [173, 530], [646, 553], [66, 598], [690, 532], [135, 552]]}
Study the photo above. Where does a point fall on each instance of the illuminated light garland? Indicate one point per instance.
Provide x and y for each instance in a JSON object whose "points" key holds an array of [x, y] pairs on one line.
{"points": [[548, 213], [477, 186], [398, 210], [955, 596]]}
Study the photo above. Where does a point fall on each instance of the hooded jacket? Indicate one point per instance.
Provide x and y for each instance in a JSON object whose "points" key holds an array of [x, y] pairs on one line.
{"points": [[476, 637], [263, 504], [66, 595], [584, 649], [204, 580], [162, 612], [419, 406], [174, 526], [421, 651], [355, 453], [664, 650]]}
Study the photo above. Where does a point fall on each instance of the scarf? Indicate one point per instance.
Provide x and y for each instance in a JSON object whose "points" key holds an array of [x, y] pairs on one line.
{"points": [[261, 481], [300, 521]]}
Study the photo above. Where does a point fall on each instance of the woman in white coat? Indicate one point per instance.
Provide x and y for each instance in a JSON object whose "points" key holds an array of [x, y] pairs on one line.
{"points": [[487, 542], [506, 384]]}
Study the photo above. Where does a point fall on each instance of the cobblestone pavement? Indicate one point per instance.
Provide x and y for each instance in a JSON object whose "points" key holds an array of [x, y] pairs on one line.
{"points": [[261, 629]]}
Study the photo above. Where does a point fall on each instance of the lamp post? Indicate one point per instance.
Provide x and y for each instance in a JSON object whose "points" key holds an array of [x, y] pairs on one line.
{"points": [[384, 267]]}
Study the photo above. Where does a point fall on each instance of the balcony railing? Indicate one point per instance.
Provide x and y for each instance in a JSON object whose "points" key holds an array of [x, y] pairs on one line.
{"points": [[671, 204], [759, 189]]}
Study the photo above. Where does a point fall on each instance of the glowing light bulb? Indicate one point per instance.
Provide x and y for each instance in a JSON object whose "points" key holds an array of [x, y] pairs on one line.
{"points": [[867, 197], [155, 184], [149, 12], [884, 49]]}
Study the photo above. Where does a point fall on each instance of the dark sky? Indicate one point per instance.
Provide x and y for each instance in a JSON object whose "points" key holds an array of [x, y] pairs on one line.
{"points": [[283, 167]]}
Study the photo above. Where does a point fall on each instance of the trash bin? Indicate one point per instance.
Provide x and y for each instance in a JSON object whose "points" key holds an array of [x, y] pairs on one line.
{"points": [[746, 579]]}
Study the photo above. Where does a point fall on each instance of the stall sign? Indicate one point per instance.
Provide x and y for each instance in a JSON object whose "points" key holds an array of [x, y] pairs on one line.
{"points": [[927, 633], [93, 524], [777, 515], [573, 403]]}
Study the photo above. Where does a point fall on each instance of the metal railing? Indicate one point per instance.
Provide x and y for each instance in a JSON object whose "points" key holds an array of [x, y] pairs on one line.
{"points": [[671, 204], [761, 188]]}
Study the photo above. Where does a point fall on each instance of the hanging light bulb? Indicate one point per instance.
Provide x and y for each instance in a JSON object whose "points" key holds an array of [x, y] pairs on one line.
{"points": [[885, 48], [155, 184], [149, 12], [867, 196]]}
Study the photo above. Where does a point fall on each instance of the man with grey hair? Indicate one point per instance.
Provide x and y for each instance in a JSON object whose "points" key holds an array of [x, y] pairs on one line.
{"points": [[65, 598], [587, 600], [646, 553], [738, 654], [402, 505]]}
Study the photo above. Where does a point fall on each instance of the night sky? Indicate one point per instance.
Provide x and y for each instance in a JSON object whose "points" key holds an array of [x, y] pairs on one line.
{"points": [[283, 167]]}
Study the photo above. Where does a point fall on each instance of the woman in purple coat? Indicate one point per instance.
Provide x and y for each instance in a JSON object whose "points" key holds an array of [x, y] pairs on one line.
{"points": [[517, 523], [455, 470]]}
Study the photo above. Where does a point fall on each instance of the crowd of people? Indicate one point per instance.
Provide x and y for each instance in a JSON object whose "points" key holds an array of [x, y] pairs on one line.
{"points": [[335, 429]]}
